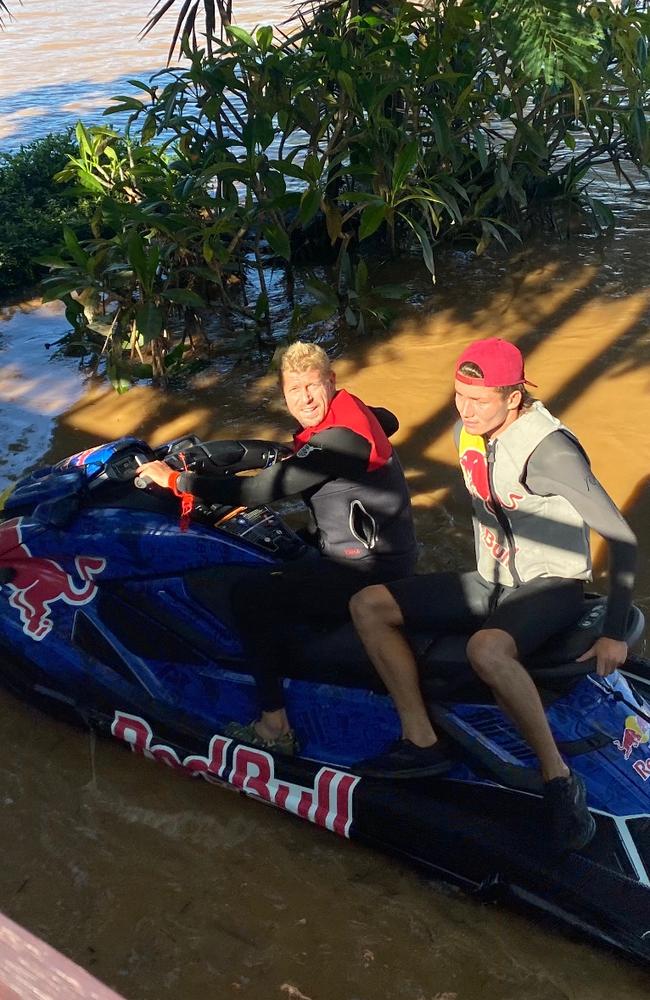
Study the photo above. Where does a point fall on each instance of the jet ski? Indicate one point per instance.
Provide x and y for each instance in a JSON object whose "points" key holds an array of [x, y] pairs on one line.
{"points": [[115, 612]]}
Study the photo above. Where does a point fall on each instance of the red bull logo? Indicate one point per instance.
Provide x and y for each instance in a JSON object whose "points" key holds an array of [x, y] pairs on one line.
{"points": [[475, 473], [635, 733], [81, 458], [38, 582], [328, 803]]}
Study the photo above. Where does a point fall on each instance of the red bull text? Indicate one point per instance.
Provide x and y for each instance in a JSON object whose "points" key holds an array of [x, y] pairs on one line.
{"points": [[328, 803], [38, 582]]}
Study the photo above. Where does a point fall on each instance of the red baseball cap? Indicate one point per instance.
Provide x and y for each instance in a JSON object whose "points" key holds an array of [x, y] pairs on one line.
{"points": [[500, 361]]}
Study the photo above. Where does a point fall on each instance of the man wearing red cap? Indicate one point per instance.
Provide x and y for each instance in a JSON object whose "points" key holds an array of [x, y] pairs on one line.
{"points": [[534, 499]]}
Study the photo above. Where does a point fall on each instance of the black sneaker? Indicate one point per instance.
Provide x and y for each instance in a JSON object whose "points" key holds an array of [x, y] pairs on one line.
{"points": [[404, 759], [565, 804]]}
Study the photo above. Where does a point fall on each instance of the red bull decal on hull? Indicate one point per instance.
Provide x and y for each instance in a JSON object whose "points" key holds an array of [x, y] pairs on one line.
{"points": [[635, 733], [328, 804], [38, 582]]}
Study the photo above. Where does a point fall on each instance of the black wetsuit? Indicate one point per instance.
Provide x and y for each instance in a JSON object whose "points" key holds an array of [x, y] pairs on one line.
{"points": [[353, 484]]}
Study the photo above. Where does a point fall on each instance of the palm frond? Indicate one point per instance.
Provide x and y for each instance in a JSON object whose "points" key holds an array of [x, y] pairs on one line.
{"points": [[553, 37], [214, 12], [5, 12]]}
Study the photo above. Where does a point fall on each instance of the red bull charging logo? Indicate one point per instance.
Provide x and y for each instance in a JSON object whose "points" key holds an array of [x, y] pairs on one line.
{"points": [[636, 733], [38, 582], [328, 803], [475, 473]]}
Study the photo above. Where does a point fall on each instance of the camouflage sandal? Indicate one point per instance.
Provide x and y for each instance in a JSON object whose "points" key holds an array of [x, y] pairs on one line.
{"points": [[286, 744]]}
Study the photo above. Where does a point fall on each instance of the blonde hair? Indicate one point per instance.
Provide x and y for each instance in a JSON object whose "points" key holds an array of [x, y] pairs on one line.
{"points": [[299, 357]]}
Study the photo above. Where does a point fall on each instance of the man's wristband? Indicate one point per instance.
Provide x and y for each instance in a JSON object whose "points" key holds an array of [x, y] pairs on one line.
{"points": [[172, 483]]}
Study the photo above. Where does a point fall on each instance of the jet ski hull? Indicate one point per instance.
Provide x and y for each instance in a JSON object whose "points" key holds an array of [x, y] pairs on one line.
{"points": [[112, 616]]}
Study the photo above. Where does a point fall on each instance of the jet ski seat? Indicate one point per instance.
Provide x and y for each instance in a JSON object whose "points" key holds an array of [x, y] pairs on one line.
{"points": [[336, 655]]}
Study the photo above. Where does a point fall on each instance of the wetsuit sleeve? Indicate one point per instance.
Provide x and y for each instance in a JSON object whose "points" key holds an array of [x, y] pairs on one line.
{"points": [[559, 467], [334, 452]]}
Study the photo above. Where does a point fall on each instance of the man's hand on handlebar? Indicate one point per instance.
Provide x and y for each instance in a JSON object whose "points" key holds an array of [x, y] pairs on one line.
{"points": [[156, 472]]}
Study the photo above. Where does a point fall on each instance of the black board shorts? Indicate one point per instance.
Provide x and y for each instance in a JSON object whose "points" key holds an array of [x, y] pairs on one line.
{"points": [[465, 603]]}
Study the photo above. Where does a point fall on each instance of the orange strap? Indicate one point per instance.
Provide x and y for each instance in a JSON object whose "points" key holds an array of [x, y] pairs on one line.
{"points": [[231, 513], [187, 499]]}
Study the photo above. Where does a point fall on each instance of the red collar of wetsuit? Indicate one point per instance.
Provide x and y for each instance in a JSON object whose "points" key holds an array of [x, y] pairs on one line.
{"points": [[347, 410]]}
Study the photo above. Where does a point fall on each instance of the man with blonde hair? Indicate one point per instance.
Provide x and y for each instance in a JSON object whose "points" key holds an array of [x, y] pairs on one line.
{"points": [[346, 471]]}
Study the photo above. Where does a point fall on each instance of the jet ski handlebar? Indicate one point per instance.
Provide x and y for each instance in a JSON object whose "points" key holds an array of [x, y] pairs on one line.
{"points": [[229, 457], [222, 457]]}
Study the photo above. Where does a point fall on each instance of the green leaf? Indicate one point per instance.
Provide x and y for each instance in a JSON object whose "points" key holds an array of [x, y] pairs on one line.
{"points": [[182, 297], [127, 103], [602, 213], [48, 260], [242, 36], [83, 138], [640, 126], [90, 182], [289, 169], [320, 312], [258, 131], [347, 83], [78, 255], [264, 37], [425, 243], [479, 139], [333, 221], [371, 219], [312, 167], [404, 164], [137, 256], [148, 129], [174, 357], [261, 306], [309, 205], [118, 377], [441, 132], [58, 289], [142, 86], [278, 240], [149, 321], [323, 292]]}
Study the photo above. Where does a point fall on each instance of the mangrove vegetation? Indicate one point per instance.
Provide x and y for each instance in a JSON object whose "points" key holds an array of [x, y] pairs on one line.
{"points": [[359, 133]]}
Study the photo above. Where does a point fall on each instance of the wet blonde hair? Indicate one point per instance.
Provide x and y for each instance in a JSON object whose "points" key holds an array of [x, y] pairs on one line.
{"points": [[299, 357]]}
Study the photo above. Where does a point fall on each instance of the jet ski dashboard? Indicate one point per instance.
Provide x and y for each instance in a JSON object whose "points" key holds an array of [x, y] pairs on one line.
{"points": [[103, 477]]}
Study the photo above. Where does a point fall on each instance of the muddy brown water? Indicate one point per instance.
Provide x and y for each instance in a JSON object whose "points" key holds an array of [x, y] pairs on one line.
{"points": [[165, 887]]}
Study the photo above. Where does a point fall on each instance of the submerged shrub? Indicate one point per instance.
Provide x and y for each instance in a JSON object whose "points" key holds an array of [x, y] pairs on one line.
{"points": [[33, 207]]}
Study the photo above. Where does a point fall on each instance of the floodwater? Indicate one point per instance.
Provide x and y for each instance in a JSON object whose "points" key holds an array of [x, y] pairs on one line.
{"points": [[171, 889], [61, 60]]}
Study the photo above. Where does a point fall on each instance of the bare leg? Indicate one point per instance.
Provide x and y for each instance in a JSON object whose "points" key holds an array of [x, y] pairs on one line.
{"points": [[378, 620], [493, 655]]}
